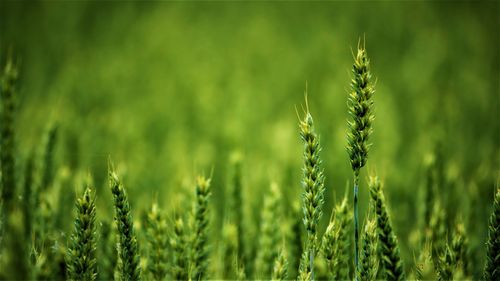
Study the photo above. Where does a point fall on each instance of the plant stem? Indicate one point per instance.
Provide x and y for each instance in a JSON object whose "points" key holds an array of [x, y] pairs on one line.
{"points": [[356, 227]]}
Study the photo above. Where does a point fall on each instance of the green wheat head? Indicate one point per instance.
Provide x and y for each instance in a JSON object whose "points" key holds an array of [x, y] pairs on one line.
{"points": [[280, 270], [313, 184], [389, 249], [156, 234], [446, 266], [437, 231], [335, 245], [81, 257], [360, 105], [7, 160], [368, 259], [128, 252], [178, 244], [269, 236], [459, 246], [492, 270], [424, 266], [199, 262]]}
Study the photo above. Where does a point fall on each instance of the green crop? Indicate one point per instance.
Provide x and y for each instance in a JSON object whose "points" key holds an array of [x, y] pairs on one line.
{"points": [[168, 89]]}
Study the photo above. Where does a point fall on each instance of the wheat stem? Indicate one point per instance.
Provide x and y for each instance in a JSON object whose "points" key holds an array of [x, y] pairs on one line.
{"points": [[360, 109]]}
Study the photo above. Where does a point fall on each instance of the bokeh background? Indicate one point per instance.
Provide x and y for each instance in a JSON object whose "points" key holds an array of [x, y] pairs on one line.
{"points": [[170, 90]]}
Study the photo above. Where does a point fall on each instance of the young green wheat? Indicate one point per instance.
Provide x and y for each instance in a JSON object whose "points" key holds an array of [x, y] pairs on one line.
{"points": [[81, 257], [360, 105], [492, 270], [199, 262], [128, 251], [313, 184], [389, 249]]}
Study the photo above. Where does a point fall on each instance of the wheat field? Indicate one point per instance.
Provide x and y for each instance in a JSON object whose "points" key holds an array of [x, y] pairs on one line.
{"points": [[172, 140]]}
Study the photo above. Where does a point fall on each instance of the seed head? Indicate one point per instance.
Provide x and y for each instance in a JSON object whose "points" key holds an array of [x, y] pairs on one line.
{"points": [[360, 105]]}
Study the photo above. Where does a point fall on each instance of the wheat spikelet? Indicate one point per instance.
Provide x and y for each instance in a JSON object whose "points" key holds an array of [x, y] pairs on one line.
{"points": [[199, 262], [269, 234], [335, 243], [81, 258], [280, 270], [156, 233], [313, 184], [368, 260], [389, 249], [128, 252], [179, 247], [492, 270], [360, 105], [7, 159]]}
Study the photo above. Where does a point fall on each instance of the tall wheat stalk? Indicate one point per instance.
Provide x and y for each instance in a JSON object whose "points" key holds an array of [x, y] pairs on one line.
{"points": [[178, 243], [128, 252], [7, 159], [335, 244], [199, 262], [156, 233], [369, 260], [389, 249], [81, 257], [280, 269], [492, 269], [269, 234], [313, 184], [360, 105]]}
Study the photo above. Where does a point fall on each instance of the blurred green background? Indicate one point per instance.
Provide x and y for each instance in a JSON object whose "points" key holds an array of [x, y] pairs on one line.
{"points": [[172, 89]]}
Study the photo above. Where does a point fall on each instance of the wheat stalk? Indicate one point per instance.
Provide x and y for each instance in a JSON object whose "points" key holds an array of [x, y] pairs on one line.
{"points": [[199, 262], [389, 249], [156, 233], [335, 243], [368, 260], [179, 247], [269, 233], [280, 270], [492, 270], [446, 266], [7, 159], [128, 252], [81, 256], [360, 105], [459, 247], [236, 205], [313, 184]]}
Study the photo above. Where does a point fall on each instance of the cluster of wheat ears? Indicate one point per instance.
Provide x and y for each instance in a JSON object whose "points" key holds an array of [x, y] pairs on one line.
{"points": [[180, 248]]}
